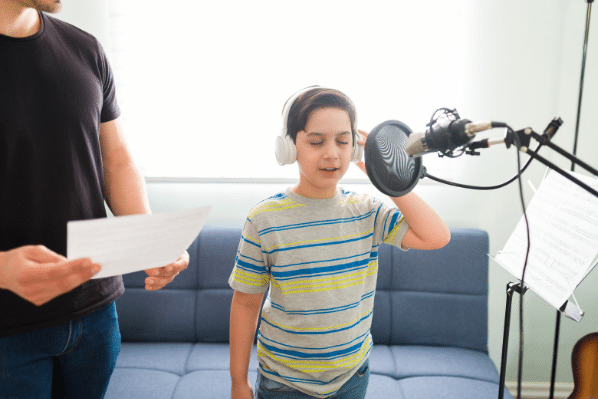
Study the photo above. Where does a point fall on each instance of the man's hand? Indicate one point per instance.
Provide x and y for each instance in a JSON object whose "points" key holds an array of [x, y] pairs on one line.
{"points": [[39, 275], [160, 276], [241, 391]]}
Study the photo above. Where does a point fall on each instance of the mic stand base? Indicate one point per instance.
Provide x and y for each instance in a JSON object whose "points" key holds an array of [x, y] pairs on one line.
{"points": [[511, 287]]}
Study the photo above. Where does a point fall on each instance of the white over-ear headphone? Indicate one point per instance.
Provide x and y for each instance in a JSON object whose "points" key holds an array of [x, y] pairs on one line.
{"points": [[286, 151]]}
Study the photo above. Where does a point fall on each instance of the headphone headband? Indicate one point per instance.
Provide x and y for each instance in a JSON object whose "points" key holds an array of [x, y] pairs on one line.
{"points": [[287, 108]]}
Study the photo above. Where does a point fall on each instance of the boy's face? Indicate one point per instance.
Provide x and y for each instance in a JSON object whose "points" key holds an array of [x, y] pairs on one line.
{"points": [[323, 152]]}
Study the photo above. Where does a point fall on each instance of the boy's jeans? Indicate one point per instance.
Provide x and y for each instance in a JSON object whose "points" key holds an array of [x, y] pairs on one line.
{"points": [[72, 360], [355, 388]]}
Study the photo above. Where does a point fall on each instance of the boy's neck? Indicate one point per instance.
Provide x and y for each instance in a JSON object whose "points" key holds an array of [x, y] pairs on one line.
{"points": [[314, 193]]}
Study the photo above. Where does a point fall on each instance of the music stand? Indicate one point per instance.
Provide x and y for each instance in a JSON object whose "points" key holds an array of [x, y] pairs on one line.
{"points": [[521, 139]]}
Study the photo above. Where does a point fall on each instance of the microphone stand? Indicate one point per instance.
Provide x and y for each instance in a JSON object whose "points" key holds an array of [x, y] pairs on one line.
{"points": [[521, 139]]}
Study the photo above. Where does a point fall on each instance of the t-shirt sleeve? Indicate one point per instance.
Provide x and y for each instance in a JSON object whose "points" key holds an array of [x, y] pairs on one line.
{"points": [[110, 108], [390, 226], [250, 274]]}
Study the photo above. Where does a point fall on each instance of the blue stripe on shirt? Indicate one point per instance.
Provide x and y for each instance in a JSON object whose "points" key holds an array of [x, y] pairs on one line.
{"points": [[323, 311], [313, 271], [319, 244], [316, 223], [319, 332]]}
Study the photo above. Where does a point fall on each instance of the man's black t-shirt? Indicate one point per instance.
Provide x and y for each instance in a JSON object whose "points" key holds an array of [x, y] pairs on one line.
{"points": [[56, 87]]}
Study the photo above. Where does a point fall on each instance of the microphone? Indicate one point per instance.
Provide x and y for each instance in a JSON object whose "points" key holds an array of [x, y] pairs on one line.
{"points": [[393, 152], [446, 135]]}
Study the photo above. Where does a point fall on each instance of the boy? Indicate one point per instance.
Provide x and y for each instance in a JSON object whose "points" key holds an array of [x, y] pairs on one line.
{"points": [[316, 247]]}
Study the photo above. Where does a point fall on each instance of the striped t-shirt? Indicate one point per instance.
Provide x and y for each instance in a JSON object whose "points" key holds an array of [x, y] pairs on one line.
{"points": [[320, 259]]}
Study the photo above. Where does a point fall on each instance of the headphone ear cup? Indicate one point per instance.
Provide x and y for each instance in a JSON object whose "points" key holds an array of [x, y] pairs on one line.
{"points": [[286, 152], [357, 153]]}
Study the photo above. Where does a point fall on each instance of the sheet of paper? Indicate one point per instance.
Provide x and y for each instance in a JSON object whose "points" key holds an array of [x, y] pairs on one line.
{"points": [[563, 219], [127, 244]]}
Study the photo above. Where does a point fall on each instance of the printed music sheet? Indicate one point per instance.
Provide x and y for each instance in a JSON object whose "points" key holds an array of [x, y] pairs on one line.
{"points": [[563, 222], [127, 244]]}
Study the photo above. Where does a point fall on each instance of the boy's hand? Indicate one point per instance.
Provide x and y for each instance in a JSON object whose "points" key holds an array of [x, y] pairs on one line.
{"points": [[242, 391], [362, 137]]}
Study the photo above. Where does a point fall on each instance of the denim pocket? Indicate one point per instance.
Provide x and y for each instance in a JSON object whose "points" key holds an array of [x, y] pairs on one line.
{"points": [[269, 385], [363, 370]]}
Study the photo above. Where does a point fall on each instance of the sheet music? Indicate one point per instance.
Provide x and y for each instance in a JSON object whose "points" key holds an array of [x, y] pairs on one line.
{"points": [[127, 244], [563, 219]]}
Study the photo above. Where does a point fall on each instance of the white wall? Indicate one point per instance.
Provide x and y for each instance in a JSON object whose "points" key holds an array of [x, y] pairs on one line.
{"points": [[525, 73], [89, 15]]}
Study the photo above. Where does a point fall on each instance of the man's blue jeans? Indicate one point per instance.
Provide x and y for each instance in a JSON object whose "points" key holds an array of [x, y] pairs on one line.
{"points": [[73, 360]]}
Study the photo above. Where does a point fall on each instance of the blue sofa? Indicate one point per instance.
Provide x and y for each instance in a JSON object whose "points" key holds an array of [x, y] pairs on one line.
{"points": [[429, 325]]}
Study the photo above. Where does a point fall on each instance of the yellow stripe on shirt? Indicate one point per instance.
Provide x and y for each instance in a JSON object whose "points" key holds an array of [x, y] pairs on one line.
{"points": [[326, 284], [274, 206], [315, 366]]}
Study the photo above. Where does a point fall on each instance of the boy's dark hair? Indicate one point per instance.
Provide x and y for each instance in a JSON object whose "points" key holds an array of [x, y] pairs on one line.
{"points": [[317, 98]]}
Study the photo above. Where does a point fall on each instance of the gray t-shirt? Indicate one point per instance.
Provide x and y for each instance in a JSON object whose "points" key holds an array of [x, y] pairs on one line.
{"points": [[320, 259]]}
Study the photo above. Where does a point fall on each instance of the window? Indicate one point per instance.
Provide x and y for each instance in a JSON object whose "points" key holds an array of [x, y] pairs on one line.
{"points": [[202, 84]]}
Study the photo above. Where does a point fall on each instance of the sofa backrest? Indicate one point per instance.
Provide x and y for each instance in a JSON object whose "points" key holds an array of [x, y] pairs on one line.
{"points": [[435, 297], [195, 307], [423, 297]]}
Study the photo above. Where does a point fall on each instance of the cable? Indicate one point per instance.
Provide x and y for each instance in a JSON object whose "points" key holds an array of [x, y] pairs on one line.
{"points": [[520, 363], [511, 180]]}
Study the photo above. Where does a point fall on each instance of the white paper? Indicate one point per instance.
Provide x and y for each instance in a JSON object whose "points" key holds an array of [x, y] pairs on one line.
{"points": [[127, 244], [563, 220]]}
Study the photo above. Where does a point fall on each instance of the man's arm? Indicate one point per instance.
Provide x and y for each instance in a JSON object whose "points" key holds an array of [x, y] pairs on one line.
{"points": [[244, 314], [124, 187], [125, 194]]}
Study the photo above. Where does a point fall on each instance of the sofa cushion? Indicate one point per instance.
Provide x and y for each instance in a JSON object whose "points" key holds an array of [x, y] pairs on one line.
{"points": [[133, 383], [417, 360], [384, 387], [207, 384], [215, 357], [160, 356], [448, 388]]}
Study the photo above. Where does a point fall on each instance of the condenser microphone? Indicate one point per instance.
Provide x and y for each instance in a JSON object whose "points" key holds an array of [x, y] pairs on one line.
{"points": [[446, 135]]}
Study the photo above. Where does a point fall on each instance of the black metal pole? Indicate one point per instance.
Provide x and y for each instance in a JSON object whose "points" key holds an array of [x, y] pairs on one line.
{"points": [[571, 157], [555, 350], [581, 82], [557, 327], [511, 287], [554, 167]]}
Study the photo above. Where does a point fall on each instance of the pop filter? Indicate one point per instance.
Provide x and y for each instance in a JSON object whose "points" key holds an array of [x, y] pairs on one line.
{"points": [[389, 168]]}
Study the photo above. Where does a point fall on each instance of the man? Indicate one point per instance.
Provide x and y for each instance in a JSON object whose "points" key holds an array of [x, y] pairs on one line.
{"points": [[62, 153]]}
